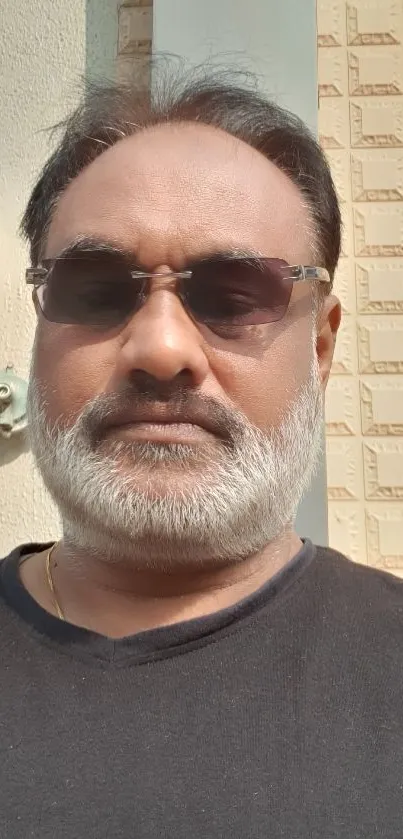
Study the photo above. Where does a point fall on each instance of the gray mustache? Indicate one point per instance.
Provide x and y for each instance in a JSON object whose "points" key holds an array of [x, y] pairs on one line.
{"points": [[112, 408]]}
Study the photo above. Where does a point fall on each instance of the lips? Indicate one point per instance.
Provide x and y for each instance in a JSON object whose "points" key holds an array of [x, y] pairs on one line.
{"points": [[179, 433], [161, 423]]}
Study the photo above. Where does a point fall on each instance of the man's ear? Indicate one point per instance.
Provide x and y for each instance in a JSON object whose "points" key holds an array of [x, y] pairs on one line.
{"points": [[327, 324]]}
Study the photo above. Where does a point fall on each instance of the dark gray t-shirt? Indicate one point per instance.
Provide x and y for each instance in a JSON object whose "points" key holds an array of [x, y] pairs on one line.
{"points": [[278, 717]]}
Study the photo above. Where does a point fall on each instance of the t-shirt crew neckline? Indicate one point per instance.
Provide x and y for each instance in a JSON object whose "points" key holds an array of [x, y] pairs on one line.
{"points": [[150, 644]]}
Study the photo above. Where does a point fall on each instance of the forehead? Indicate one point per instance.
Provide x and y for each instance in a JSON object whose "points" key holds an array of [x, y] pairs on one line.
{"points": [[175, 191]]}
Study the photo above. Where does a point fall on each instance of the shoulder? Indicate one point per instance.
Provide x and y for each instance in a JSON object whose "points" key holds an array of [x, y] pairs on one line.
{"points": [[12, 591], [339, 569], [358, 594]]}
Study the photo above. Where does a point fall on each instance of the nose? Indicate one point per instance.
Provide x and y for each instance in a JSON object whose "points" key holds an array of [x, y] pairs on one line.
{"points": [[162, 341]]}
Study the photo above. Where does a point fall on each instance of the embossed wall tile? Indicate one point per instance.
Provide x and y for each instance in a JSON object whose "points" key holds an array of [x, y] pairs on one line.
{"points": [[331, 20], [380, 344], [374, 22], [343, 285], [361, 128], [382, 405], [384, 526], [377, 175], [134, 66], [383, 469], [333, 122], [345, 354], [332, 71], [379, 286], [135, 29], [347, 529], [378, 229], [128, 3], [377, 122], [347, 229], [344, 468], [342, 407], [339, 162], [375, 72]]}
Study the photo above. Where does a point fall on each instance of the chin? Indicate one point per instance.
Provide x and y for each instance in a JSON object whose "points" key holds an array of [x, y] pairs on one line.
{"points": [[163, 472], [167, 458]]}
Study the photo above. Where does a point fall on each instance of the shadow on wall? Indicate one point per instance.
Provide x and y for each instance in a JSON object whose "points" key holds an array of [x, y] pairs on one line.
{"points": [[101, 38], [12, 448]]}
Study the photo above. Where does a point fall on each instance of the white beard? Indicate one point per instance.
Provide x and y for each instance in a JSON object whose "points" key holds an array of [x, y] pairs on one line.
{"points": [[241, 498]]}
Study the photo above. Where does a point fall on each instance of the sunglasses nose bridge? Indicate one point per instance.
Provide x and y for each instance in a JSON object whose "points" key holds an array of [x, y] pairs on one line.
{"points": [[167, 279]]}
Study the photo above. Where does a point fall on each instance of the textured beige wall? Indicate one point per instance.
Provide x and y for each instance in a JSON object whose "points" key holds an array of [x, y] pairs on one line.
{"points": [[361, 129], [42, 55]]}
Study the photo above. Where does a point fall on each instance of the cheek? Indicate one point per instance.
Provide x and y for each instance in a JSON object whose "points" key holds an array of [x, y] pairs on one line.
{"points": [[265, 387], [70, 371]]}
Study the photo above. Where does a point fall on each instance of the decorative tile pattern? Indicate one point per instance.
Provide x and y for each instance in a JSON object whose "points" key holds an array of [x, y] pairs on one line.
{"points": [[129, 67], [334, 124], [344, 478], [331, 24], [380, 344], [377, 175], [379, 286], [344, 361], [383, 469], [378, 229], [332, 69], [135, 29], [134, 42], [344, 285], [374, 23], [342, 408], [361, 129], [339, 162], [347, 229], [376, 123], [384, 528], [347, 529], [374, 72], [382, 405]]}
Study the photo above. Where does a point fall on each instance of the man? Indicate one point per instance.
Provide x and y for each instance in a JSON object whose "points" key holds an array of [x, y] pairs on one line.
{"points": [[180, 663]]}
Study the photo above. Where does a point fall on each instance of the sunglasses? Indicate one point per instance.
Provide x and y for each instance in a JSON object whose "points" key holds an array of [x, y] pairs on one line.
{"points": [[99, 289]]}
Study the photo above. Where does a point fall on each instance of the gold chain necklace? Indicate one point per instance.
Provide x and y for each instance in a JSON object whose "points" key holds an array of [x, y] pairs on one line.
{"points": [[59, 610]]}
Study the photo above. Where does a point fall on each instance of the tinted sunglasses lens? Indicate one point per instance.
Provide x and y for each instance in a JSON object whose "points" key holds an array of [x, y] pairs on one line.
{"points": [[89, 290], [240, 292]]}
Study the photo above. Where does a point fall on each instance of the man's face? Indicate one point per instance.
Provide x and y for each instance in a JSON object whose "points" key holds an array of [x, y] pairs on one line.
{"points": [[168, 196]]}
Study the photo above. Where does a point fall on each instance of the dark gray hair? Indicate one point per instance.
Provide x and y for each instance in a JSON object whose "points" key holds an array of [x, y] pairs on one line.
{"points": [[110, 111]]}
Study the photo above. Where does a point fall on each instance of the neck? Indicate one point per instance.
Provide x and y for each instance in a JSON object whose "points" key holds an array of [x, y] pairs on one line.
{"points": [[118, 600]]}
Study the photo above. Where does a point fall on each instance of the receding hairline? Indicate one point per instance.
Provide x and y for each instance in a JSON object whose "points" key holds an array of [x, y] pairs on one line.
{"points": [[193, 127], [141, 141], [210, 95]]}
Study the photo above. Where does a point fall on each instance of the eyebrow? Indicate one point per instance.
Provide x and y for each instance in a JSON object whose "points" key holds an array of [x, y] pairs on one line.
{"points": [[233, 253], [84, 244]]}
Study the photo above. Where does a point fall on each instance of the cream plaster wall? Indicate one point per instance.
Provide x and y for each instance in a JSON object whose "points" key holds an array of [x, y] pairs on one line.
{"points": [[361, 129], [42, 55], [47, 47]]}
